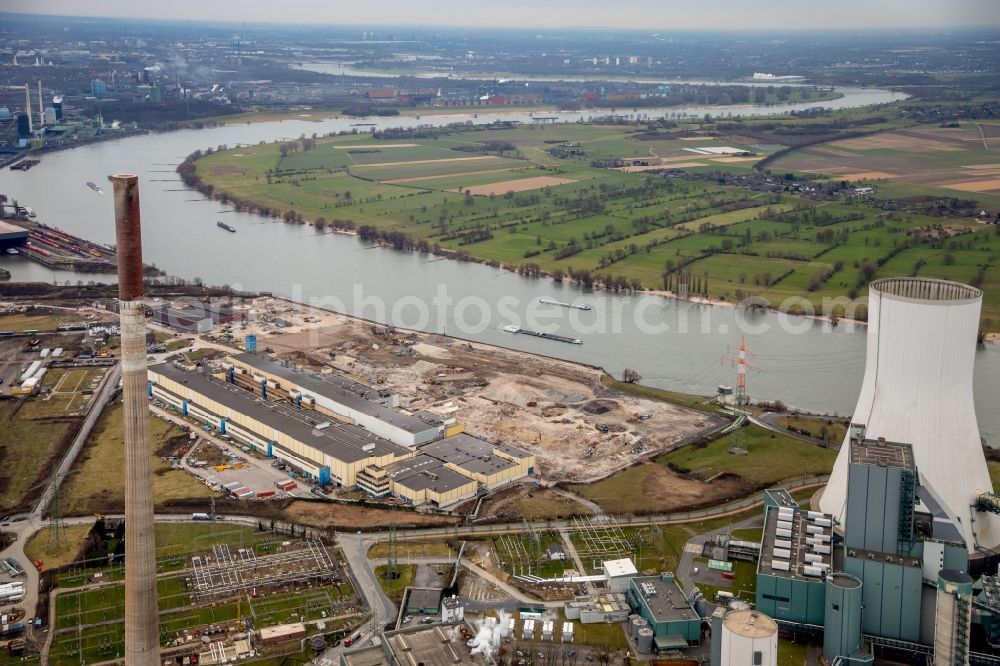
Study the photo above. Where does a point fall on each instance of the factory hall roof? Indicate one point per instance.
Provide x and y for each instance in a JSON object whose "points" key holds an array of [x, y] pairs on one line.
{"points": [[472, 454], [882, 453], [426, 473], [664, 598], [340, 440], [429, 646], [424, 597], [10, 231], [339, 389], [796, 545]]}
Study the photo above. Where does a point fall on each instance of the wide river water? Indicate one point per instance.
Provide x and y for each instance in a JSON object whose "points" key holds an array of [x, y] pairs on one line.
{"points": [[673, 344]]}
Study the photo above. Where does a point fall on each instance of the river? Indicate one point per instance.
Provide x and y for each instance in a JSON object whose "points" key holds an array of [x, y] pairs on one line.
{"points": [[673, 344]]}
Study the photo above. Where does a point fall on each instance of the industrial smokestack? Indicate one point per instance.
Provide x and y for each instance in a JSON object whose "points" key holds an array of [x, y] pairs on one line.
{"points": [[142, 635], [27, 108], [917, 390]]}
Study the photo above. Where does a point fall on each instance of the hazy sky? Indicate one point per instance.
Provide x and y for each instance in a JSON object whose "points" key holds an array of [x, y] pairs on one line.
{"points": [[648, 14]]}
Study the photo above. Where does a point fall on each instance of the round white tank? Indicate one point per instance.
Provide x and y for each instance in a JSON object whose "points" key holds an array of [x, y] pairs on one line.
{"points": [[638, 623], [745, 633], [917, 390]]}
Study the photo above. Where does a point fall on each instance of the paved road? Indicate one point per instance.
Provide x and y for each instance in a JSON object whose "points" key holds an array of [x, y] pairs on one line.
{"points": [[593, 506], [767, 421]]}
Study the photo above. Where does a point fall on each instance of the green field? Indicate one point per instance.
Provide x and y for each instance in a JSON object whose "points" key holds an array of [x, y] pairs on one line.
{"points": [[26, 448], [770, 458], [609, 228], [96, 481], [63, 393], [395, 587]]}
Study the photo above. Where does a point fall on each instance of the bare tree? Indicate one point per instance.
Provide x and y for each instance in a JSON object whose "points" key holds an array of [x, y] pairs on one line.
{"points": [[630, 376]]}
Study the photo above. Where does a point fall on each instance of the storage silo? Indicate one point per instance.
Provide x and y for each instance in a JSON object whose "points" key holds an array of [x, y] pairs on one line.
{"points": [[645, 641], [917, 389], [952, 618], [748, 637], [638, 622], [842, 618]]}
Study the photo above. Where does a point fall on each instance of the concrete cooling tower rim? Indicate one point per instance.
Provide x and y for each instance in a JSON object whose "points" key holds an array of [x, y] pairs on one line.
{"points": [[925, 291]]}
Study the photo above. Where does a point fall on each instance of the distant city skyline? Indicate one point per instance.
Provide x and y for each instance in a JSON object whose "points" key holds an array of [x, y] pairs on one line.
{"points": [[552, 14]]}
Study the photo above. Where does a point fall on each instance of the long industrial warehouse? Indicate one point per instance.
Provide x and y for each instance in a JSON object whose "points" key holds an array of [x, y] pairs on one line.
{"points": [[441, 473], [339, 396]]}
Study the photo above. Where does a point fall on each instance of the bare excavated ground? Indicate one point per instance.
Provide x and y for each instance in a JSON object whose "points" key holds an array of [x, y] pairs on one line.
{"points": [[578, 429]]}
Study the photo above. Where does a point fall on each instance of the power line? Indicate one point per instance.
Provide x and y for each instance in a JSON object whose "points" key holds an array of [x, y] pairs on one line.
{"points": [[739, 356]]}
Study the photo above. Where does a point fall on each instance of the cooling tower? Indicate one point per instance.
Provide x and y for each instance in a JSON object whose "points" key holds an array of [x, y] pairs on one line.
{"points": [[142, 629], [917, 390]]}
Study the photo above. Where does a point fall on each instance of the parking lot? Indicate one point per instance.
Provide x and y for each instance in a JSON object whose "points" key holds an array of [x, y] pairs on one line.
{"points": [[218, 460]]}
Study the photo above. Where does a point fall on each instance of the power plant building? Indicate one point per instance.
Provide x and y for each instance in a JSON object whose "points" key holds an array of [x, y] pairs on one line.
{"points": [[879, 536], [796, 553], [917, 389]]}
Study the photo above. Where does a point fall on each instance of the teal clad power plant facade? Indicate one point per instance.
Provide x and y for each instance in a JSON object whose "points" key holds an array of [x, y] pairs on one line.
{"points": [[881, 483], [871, 575], [879, 540], [796, 552], [842, 616], [892, 596]]}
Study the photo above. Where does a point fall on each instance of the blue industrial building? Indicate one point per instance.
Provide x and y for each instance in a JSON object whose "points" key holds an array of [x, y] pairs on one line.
{"points": [[661, 602], [874, 576]]}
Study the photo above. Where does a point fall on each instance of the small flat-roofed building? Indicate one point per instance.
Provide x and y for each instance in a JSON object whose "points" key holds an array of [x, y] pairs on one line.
{"points": [[342, 397], [452, 610], [619, 572], [282, 633], [374, 481], [422, 479], [609, 607], [424, 600], [492, 465], [661, 602]]}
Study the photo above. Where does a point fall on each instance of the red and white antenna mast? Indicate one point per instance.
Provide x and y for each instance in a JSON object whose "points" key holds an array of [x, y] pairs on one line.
{"points": [[739, 356]]}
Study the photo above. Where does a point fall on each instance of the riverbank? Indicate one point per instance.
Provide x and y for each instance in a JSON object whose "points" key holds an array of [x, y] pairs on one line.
{"points": [[680, 353], [531, 208]]}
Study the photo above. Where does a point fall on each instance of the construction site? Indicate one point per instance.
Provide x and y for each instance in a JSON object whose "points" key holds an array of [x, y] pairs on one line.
{"points": [[577, 429]]}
